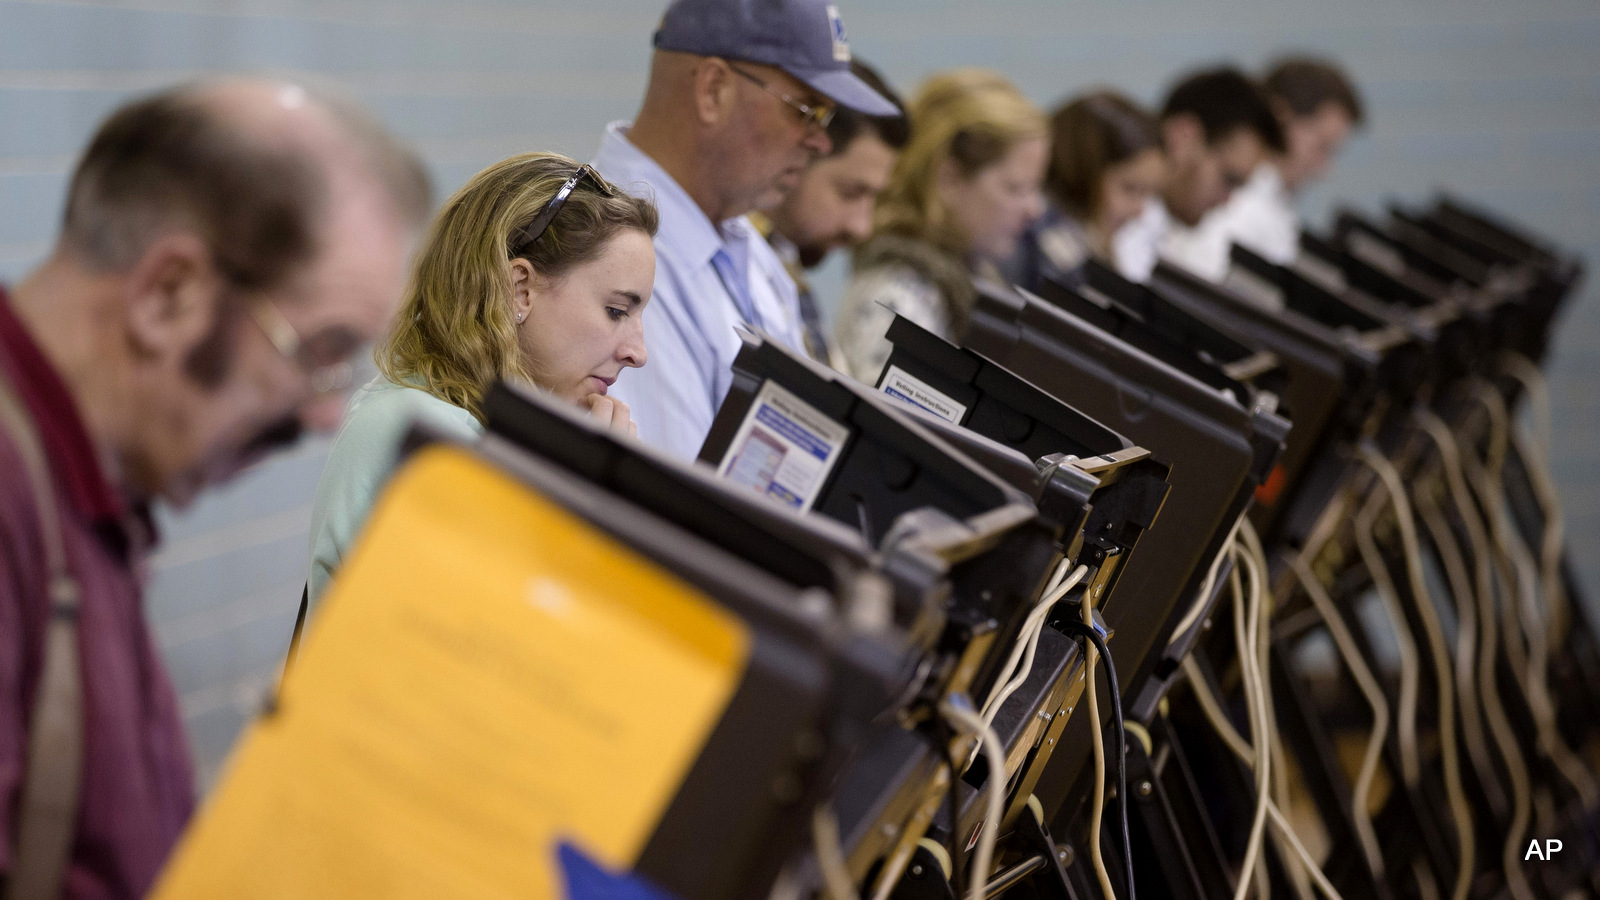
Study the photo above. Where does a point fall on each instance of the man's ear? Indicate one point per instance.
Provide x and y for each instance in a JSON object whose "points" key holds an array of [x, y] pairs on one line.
{"points": [[713, 91], [171, 296], [1183, 136]]}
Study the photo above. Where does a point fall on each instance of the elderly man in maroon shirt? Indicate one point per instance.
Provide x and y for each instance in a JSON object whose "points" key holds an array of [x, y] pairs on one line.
{"points": [[226, 248]]}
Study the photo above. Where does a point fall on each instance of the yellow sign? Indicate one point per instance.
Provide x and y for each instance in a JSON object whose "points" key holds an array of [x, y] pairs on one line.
{"points": [[489, 676]]}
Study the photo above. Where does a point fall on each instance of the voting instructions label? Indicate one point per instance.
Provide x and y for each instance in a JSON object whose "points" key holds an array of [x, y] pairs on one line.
{"points": [[907, 388], [784, 448]]}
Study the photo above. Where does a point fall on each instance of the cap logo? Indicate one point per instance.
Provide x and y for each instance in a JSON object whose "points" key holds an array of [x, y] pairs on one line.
{"points": [[841, 44]]}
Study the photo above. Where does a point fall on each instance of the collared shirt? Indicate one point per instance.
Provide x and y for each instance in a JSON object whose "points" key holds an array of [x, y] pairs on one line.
{"points": [[710, 279], [1055, 248], [138, 782], [1260, 216], [814, 329], [1137, 245]]}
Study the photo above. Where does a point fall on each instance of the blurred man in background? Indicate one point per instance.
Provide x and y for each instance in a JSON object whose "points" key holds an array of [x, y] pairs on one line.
{"points": [[1216, 127], [832, 205], [1317, 107], [226, 249], [740, 96]]}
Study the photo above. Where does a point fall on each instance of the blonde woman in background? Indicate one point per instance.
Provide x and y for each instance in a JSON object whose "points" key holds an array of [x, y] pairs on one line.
{"points": [[537, 270], [964, 191]]}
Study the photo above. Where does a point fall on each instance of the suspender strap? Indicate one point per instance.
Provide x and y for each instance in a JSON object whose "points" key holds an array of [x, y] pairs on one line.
{"points": [[47, 817]]}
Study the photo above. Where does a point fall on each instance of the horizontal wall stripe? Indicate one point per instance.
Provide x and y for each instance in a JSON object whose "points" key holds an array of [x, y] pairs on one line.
{"points": [[247, 534], [207, 623]]}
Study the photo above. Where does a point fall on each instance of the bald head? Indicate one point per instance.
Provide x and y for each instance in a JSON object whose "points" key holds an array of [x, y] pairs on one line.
{"points": [[227, 248], [247, 165], [671, 85]]}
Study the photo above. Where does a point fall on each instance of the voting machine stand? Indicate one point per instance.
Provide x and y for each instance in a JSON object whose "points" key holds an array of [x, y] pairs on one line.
{"points": [[1459, 316], [896, 459], [492, 566], [1193, 417]]}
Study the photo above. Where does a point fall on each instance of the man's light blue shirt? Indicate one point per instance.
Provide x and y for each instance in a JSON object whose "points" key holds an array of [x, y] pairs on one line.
{"points": [[705, 275]]}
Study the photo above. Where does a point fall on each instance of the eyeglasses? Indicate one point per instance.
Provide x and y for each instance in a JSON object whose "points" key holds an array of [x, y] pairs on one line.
{"points": [[541, 222], [819, 115], [326, 377]]}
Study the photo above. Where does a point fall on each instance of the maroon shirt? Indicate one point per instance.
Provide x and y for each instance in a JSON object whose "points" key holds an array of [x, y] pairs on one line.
{"points": [[138, 786]]}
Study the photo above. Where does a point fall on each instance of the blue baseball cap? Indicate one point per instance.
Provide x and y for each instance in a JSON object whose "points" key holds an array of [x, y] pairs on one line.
{"points": [[802, 37]]}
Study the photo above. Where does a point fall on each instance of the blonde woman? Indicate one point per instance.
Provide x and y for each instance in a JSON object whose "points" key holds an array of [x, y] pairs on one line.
{"points": [[962, 194], [538, 270]]}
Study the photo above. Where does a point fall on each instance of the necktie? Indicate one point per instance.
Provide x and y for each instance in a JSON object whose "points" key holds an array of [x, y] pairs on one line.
{"points": [[738, 289], [811, 317]]}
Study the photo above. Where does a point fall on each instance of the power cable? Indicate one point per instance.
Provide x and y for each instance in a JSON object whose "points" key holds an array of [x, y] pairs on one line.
{"points": [[1098, 801], [1246, 629], [1443, 675], [1536, 460], [1460, 582], [1198, 607], [828, 847], [1488, 690], [1088, 631], [1530, 662], [1410, 667], [1368, 683], [1218, 721], [1020, 663], [964, 717]]}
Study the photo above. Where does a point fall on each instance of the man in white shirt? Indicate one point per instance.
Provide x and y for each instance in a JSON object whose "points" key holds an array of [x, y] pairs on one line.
{"points": [[1318, 108], [1216, 127], [832, 206], [739, 99]]}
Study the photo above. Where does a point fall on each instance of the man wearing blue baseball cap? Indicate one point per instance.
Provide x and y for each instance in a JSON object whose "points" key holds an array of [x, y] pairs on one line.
{"points": [[739, 99]]}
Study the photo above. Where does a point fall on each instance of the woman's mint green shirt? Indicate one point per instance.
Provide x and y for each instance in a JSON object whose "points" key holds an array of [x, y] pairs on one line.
{"points": [[363, 456]]}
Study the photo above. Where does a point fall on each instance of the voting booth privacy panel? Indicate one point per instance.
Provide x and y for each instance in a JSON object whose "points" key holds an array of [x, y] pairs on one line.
{"points": [[1028, 616], [491, 562], [451, 725]]}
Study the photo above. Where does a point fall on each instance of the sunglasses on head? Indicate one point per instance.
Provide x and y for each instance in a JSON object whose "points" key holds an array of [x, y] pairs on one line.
{"points": [[528, 236]]}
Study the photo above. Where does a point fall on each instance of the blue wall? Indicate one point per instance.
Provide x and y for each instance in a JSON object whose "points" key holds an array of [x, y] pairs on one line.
{"points": [[1498, 100]]}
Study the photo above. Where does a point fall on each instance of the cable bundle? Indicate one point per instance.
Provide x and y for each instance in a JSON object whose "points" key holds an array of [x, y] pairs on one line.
{"points": [[1251, 625]]}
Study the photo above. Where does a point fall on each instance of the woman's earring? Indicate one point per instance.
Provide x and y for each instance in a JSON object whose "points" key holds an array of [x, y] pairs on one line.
{"points": [[519, 318]]}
